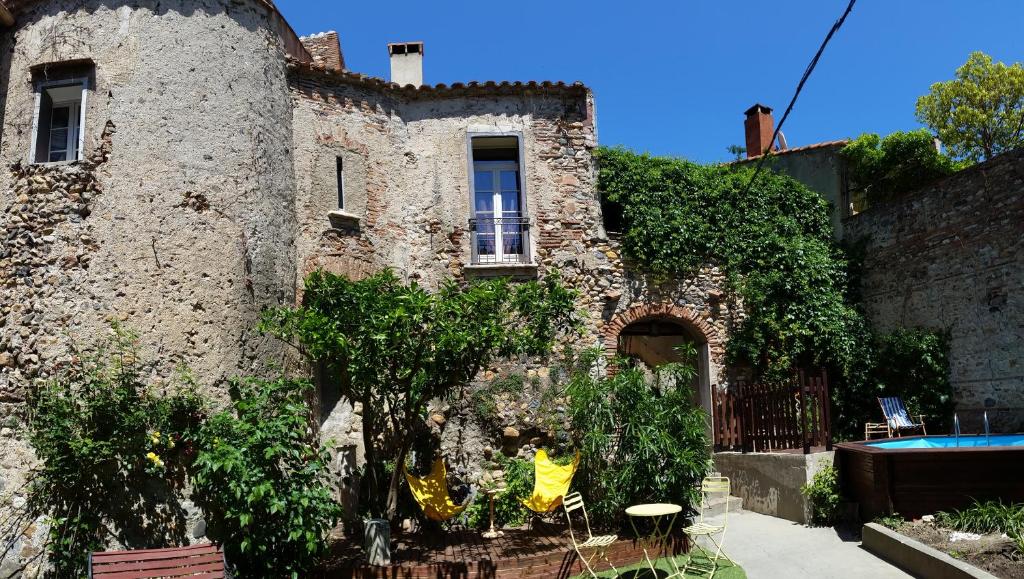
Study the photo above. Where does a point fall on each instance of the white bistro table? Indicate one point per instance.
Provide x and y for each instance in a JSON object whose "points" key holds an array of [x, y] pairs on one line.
{"points": [[657, 538]]}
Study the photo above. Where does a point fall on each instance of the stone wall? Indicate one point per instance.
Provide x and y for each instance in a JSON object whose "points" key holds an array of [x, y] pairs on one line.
{"points": [[407, 206], [951, 256], [179, 222]]}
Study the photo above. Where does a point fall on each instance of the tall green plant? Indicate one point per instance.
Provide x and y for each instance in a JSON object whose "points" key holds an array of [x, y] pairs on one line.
{"points": [[396, 346], [641, 440], [261, 480], [112, 453]]}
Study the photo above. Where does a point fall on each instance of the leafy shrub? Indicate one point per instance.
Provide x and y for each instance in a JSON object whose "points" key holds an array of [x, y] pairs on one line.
{"points": [[823, 492], [112, 454], [260, 479], [901, 162], [640, 441]]}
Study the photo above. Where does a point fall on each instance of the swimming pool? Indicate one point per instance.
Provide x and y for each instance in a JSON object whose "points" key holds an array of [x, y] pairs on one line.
{"points": [[921, 475], [950, 441]]}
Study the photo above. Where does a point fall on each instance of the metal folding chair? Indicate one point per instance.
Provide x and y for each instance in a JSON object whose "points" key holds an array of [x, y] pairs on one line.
{"points": [[710, 487], [599, 543]]}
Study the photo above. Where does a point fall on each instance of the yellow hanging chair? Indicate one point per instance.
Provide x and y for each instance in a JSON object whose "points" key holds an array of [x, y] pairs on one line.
{"points": [[431, 492], [551, 482]]}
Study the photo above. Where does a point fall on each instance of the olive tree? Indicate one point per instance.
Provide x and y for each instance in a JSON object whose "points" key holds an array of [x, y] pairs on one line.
{"points": [[980, 113], [396, 346]]}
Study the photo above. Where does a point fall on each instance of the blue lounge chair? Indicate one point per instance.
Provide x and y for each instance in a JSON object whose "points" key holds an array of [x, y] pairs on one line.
{"points": [[896, 417]]}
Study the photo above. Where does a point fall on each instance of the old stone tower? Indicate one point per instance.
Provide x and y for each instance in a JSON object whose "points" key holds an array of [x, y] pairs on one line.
{"points": [[180, 165]]}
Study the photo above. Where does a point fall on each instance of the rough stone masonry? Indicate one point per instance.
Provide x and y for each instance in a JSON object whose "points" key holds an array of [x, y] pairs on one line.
{"points": [[951, 257]]}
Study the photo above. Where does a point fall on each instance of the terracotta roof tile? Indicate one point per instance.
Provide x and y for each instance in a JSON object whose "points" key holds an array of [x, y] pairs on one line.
{"points": [[440, 89]]}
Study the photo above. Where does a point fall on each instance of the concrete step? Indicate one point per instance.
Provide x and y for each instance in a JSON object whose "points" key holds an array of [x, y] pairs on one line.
{"points": [[717, 505]]}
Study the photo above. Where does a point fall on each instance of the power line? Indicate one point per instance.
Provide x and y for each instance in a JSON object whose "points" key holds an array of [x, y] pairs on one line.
{"points": [[799, 87]]}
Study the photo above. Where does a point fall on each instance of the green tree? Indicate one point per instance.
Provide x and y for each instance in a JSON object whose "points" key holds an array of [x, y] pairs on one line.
{"points": [[980, 113], [773, 240], [396, 346]]}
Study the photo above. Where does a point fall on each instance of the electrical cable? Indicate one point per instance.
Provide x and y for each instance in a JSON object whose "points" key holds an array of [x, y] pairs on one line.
{"points": [[799, 87]]}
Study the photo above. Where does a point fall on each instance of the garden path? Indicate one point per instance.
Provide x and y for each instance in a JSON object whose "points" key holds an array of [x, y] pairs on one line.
{"points": [[771, 548]]}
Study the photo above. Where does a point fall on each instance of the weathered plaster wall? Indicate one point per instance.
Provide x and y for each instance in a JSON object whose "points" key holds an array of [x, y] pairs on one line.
{"points": [[181, 226], [951, 256]]}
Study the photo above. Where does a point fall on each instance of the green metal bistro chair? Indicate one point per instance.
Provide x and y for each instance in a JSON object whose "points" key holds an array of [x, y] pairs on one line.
{"points": [[710, 487], [599, 543]]}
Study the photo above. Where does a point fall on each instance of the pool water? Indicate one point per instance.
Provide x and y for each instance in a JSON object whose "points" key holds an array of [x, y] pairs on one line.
{"points": [[951, 442]]}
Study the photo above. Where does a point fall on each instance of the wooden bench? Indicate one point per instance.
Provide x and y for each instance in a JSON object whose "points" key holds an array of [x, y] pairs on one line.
{"points": [[196, 562]]}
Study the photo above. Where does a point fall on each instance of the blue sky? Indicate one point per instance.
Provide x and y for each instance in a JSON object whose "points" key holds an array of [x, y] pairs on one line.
{"points": [[674, 77]]}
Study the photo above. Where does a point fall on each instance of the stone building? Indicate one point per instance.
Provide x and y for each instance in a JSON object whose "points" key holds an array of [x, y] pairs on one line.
{"points": [[178, 166]]}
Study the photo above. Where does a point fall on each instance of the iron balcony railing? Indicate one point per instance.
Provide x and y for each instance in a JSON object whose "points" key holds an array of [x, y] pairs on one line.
{"points": [[500, 240]]}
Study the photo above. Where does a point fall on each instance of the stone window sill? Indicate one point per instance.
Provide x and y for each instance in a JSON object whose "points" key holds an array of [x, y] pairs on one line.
{"points": [[519, 270], [343, 220]]}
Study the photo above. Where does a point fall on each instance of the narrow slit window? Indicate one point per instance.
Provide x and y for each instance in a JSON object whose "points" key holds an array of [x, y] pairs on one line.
{"points": [[340, 165]]}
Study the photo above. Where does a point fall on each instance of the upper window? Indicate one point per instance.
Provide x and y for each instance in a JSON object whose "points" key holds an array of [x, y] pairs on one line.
{"points": [[499, 222], [59, 117]]}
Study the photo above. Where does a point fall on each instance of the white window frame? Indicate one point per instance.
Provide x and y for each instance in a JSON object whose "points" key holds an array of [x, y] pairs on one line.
{"points": [[42, 86], [524, 209]]}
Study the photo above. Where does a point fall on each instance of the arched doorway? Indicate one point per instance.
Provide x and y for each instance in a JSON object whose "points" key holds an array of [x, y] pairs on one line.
{"points": [[655, 342], [652, 331]]}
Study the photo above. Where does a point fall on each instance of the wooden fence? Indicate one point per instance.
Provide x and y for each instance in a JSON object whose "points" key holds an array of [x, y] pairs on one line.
{"points": [[756, 417]]}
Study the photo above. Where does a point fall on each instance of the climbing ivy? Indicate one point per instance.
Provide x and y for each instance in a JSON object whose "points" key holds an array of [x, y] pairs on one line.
{"points": [[773, 239]]}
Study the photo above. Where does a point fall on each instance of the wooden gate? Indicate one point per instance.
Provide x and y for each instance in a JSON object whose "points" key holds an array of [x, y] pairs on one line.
{"points": [[758, 417]]}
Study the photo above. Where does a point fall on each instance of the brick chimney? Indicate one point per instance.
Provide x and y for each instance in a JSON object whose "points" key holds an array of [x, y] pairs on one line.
{"points": [[406, 63], [325, 48], [759, 126]]}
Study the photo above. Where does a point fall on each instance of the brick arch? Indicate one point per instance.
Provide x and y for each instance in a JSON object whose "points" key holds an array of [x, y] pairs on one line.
{"points": [[681, 314]]}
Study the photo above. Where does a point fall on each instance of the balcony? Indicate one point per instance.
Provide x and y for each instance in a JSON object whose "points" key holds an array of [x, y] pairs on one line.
{"points": [[500, 243]]}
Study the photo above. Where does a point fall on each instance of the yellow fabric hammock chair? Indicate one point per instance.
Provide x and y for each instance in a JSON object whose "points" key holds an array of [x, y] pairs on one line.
{"points": [[551, 482], [431, 492]]}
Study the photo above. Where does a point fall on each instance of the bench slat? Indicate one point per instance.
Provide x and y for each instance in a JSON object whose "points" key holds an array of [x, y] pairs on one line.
{"points": [[156, 563], [163, 573], [198, 546]]}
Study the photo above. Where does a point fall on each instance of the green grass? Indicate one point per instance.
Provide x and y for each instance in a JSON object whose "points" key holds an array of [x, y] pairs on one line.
{"points": [[643, 571]]}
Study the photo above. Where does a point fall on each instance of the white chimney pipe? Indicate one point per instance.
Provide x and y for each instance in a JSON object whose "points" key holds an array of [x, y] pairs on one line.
{"points": [[406, 63]]}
